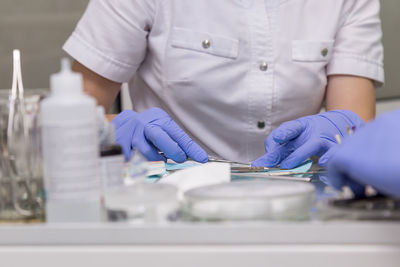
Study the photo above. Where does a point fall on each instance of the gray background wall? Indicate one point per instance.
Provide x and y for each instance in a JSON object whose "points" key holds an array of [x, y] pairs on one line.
{"points": [[390, 15], [40, 27]]}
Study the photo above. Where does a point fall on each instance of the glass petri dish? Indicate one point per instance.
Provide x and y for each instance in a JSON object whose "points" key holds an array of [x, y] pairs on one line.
{"points": [[249, 201], [142, 202]]}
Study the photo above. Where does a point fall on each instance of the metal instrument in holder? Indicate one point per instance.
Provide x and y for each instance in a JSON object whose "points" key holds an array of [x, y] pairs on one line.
{"points": [[21, 179]]}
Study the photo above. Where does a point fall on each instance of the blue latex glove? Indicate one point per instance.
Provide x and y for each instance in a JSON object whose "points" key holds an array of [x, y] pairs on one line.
{"points": [[293, 142], [369, 157], [152, 131]]}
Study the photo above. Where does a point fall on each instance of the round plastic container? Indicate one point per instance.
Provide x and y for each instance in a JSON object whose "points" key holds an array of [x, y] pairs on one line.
{"points": [[249, 201], [142, 202]]}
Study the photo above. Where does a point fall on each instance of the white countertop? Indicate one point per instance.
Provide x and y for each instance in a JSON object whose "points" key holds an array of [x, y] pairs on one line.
{"points": [[202, 233], [328, 244]]}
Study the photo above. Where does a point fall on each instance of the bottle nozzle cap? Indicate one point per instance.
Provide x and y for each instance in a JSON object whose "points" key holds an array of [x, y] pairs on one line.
{"points": [[65, 64], [66, 81]]}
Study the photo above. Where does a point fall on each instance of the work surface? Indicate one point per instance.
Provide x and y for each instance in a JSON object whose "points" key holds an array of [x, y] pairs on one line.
{"points": [[181, 244], [198, 244]]}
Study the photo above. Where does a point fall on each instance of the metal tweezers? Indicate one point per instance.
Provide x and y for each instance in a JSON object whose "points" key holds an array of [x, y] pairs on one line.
{"points": [[276, 175], [244, 170], [241, 167]]}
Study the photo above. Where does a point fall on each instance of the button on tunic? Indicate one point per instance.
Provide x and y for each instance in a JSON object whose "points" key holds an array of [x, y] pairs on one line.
{"points": [[264, 66], [230, 71]]}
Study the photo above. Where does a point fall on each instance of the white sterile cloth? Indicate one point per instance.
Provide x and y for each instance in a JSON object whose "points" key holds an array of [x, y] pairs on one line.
{"points": [[203, 175]]}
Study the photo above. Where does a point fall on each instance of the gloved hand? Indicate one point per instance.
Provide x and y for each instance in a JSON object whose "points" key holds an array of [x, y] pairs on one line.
{"points": [[369, 157], [293, 142], [154, 130]]}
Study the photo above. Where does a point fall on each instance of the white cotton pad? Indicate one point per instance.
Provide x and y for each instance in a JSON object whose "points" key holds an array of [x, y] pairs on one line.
{"points": [[198, 176]]}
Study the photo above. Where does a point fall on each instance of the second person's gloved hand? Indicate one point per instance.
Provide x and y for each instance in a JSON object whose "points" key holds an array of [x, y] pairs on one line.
{"points": [[294, 141], [370, 157], [153, 130]]}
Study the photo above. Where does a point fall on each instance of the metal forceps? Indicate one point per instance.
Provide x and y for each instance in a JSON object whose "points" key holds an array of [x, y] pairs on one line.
{"points": [[240, 167], [18, 140]]}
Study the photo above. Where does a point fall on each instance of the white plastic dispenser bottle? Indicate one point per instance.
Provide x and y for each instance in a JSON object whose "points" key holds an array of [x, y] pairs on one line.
{"points": [[70, 150]]}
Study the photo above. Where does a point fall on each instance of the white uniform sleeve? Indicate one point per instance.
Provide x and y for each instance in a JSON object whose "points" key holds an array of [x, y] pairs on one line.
{"points": [[111, 37], [358, 46]]}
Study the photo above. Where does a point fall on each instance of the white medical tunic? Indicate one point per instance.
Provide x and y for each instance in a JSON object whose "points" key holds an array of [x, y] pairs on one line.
{"points": [[230, 71]]}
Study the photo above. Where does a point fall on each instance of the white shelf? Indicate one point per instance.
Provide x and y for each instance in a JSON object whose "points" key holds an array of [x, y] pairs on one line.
{"points": [[200, 234], [367, 244]]}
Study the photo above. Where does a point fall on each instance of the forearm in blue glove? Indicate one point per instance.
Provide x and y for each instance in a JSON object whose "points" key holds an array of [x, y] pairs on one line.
{"points": [[153, 130], [369, 157], [294, 141]]}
